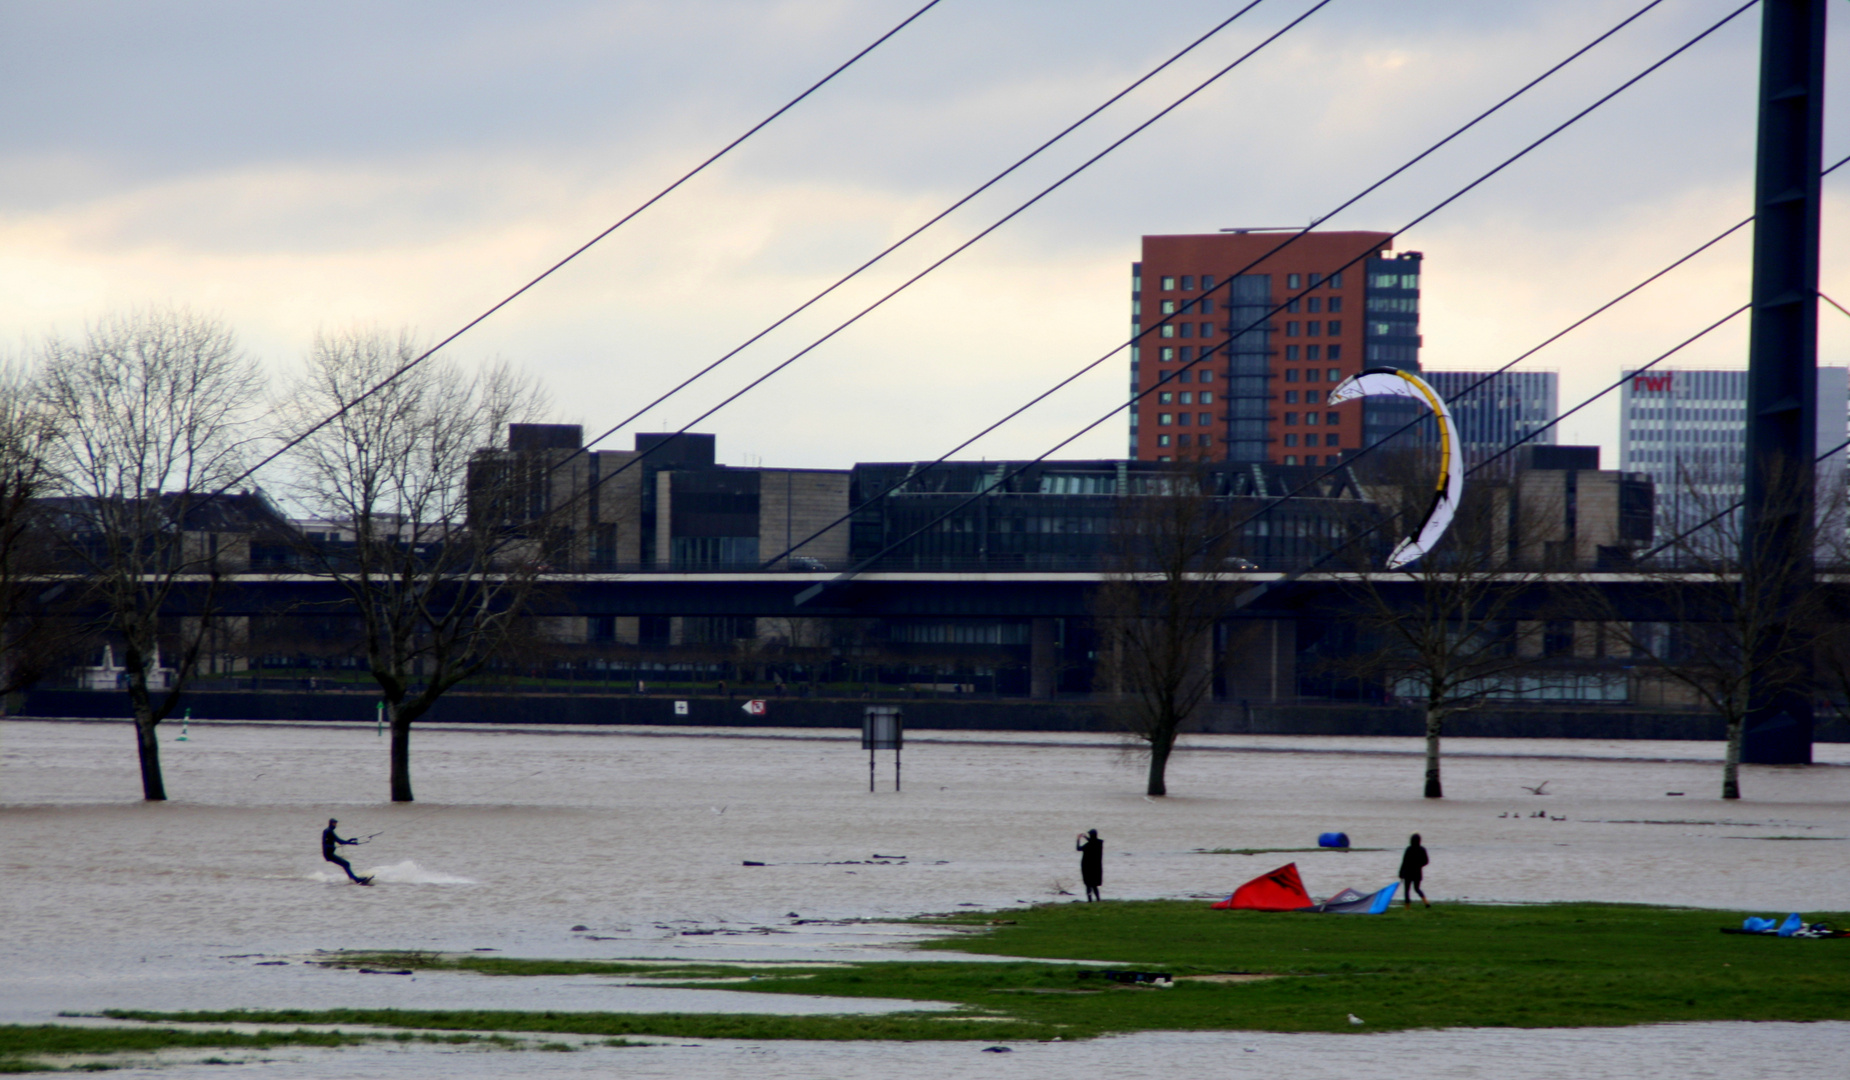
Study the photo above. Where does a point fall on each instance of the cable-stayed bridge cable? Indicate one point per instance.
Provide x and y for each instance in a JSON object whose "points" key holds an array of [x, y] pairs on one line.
{"points": [[1361, 256]]}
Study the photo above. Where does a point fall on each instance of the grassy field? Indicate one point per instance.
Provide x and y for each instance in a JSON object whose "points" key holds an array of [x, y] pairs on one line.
{"points": [[1556, 965]]}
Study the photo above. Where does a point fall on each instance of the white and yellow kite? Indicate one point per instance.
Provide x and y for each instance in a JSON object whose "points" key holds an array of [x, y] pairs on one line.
{"points": [[1390, 382]]}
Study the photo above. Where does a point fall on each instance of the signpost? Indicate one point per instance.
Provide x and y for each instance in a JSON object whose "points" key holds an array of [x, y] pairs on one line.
{"points": [[882, 728]]}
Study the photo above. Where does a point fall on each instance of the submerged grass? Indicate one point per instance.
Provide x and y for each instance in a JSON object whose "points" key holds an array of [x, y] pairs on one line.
{"points": [[22, 1047], [1552, 965]]}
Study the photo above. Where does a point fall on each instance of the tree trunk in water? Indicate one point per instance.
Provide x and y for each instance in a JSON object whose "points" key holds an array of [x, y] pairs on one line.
{"points": [[401, 755], [1435, 720], [153, 789], [1731, 759], [1161, 743]]}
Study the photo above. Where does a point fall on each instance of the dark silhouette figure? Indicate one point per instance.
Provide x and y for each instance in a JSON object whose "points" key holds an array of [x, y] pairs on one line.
{"points": [[1413, 868], [328, 842], [1091, 862]]}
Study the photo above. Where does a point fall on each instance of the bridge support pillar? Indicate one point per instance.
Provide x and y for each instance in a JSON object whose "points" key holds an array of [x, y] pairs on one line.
{"points": [[1778, 522]]}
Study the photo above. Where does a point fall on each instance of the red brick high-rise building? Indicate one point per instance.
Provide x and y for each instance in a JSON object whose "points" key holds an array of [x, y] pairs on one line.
{"points": [[1230, 384]]}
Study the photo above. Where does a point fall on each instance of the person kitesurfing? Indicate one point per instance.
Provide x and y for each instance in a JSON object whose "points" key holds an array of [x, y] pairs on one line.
{"points": [[329, 839]]}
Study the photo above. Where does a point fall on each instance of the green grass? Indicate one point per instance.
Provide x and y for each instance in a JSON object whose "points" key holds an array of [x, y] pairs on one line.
{"points": [[1554, 965]]}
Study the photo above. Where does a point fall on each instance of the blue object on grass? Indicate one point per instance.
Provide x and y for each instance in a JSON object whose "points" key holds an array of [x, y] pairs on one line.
{"points": [[1792, 925], [1333, 839], [1757, 925]]}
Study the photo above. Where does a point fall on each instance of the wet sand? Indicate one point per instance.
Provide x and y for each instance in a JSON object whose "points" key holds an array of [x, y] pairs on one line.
{"points": [[641, 835]]}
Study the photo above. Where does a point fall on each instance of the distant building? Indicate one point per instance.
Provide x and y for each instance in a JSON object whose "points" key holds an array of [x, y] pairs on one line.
{"points": [[1564, 512], [1064, 515], [1688, 430], [1493, 411], [1229, 384]]}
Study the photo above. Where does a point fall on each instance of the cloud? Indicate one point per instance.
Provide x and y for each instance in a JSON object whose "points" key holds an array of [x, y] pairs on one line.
{"points": [[296, 167]]}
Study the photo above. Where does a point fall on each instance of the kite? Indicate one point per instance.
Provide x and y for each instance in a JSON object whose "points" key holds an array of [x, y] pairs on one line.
{"points": [[1392, 382]]}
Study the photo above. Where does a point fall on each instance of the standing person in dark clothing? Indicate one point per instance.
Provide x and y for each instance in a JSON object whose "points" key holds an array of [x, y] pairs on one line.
{"points": [[328, 842], [1412, 869], [1091, 862]]}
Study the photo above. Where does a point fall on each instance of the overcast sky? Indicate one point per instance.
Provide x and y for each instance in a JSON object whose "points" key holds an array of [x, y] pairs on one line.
{"points": [[293, 167]]}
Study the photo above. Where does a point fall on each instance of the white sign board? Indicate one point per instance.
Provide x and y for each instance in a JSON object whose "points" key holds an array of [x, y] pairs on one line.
{"points": [[753, 708], [680, 708]]}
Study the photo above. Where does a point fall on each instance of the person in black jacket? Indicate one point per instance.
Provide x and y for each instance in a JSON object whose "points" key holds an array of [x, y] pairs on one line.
{"points": [[328, 842], [1413, 868], [1091, 862]]}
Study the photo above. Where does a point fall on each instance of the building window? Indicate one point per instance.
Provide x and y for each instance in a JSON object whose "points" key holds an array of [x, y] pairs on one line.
{"points": [[1167, 353], [1291, 419], [1336, 375], [1188, 353], [1315, 280], [1207, 282], [1169, 307], [1181, 376], [1202, 419], [1207, 396], [1291, 440], [1169, 329], [1205, 440], [1336, 327], [1182, 419], [1292, 305], [1162, 440], [1310, 440], [1313, 328], [1336, 352], [1292, 281], [1188, 281], [1311, 351], [1165, 398], [1188, 329], [1336, 302], [1291, 397], [1163, 419], [1311, 419], [1169, 284], [1291, 374], [1291, 459], [1204, 376], [1329, 439], [1311, 397], [1335, 282], [1312, 375], [1291, 352], [1291, 329], [1187, 398], [1331, 418], [1207, 329], [1380, 329], [1315, 303]]}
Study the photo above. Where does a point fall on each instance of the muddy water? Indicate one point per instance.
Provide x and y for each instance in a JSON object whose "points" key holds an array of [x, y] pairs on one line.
{"points": [[641, 837]]}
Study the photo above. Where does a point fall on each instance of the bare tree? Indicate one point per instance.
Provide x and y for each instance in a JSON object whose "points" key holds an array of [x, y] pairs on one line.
{"points": [[1157, 609], [154, 401], [1738, 619], [437, 590], [35, 628], [1444, 631]]}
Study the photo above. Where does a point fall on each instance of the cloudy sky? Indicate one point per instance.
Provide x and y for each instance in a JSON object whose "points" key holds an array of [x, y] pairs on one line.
{"points": [[292, 167]]}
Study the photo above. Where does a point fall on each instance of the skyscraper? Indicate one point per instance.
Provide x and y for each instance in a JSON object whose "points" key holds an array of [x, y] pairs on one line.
{"points": [[1230, 383], [1511, 405], [1688, 429]]}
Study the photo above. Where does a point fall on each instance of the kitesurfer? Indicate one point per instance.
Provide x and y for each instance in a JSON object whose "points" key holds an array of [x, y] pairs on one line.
{"points": [[1412, 869], [1091, 862], [328, 841]]}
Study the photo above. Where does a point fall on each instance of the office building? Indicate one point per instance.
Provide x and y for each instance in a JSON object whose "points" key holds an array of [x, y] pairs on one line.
{"points": [[1688, 430], [1493, 411], [1238, 346]]}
